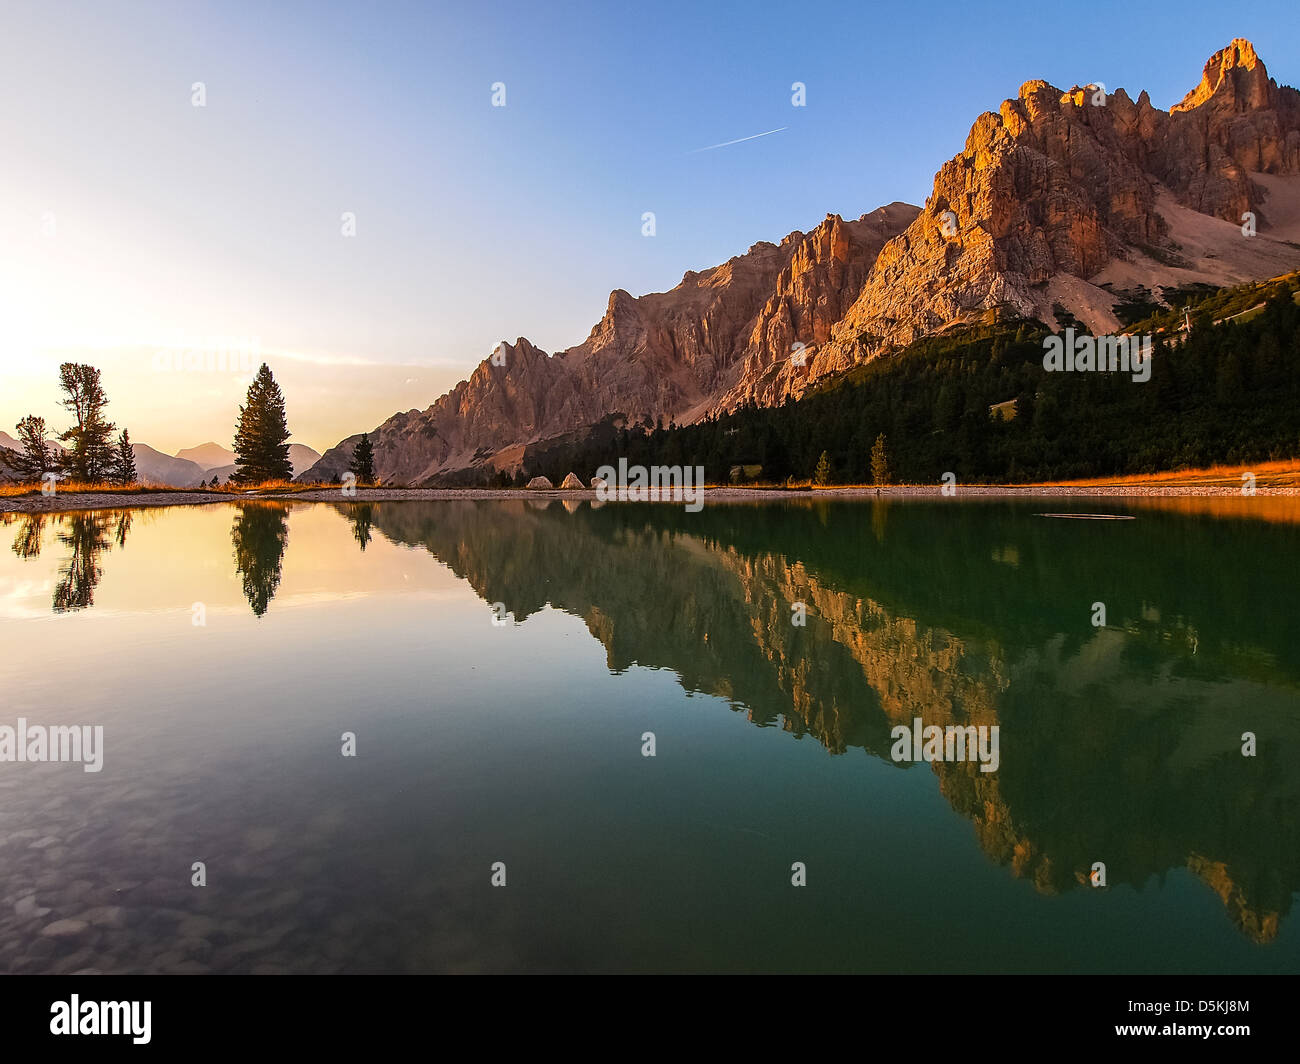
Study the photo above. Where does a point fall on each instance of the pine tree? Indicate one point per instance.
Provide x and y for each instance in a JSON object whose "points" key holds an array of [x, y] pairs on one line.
{"points": [[879, 461], [38, 455], [124, 462], [90, 455], [261, 450], [363, 460], [822, 475]]}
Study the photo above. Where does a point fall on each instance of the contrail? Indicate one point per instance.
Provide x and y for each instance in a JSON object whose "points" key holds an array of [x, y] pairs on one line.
{"points": [[725, 143]]}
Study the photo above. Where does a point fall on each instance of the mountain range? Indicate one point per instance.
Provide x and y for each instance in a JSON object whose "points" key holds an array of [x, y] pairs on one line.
{"points": [[1061, 206], [187, 468], [214, 460]]}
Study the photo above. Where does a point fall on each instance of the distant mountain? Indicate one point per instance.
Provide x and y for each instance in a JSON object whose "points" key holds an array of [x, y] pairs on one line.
{"points": [[667, 354], [222, 473], [207, 455], [301, 457], [8, 443], [1061, 205], [162, 470], [155, 468]]}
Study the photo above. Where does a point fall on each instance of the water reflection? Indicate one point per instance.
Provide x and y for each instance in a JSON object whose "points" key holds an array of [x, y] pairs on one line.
{"points": [[260, 533], [31, 532], [361, 516], [86, 535], [1121, 744]]}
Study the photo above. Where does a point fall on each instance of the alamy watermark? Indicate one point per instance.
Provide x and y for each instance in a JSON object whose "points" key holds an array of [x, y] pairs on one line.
{"points": [[74, 743], [215, 354], [79, 1017], [639, 484], [955, 742]]}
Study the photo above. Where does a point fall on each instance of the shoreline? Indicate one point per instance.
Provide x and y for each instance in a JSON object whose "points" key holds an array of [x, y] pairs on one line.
{"points": [[70, 501]]}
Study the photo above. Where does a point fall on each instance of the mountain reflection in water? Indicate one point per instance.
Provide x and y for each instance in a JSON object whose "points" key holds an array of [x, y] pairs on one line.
{"points": [[1120, 744]]}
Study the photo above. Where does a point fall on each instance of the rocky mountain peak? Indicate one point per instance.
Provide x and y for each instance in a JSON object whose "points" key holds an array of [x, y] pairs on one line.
{"points": [[1234, 78], [1055, 187], [1052, 195]]}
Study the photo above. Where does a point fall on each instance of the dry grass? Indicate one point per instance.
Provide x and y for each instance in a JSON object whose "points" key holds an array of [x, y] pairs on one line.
{"points": [[276, 487], [99, 488], [74, 487], [1282, 474]]}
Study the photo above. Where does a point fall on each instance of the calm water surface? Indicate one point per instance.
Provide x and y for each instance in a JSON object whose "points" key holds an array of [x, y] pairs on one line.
{"points": [[522, 742]]}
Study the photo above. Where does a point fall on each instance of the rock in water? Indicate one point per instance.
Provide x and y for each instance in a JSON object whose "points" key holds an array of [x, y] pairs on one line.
{"points": [[571, 482], [540, 482], [64, 928]]}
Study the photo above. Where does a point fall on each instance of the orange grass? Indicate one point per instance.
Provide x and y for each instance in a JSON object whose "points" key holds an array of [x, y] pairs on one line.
{"points": [[78, 487], [1279, 474]]}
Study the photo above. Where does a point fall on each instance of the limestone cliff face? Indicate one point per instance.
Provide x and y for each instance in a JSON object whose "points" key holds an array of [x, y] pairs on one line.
{"points": [[1050, 193], [1040, 189], [498, 405], [663, 353], [1058, 184], [816, 287], [727, 330], [1237, 121]]}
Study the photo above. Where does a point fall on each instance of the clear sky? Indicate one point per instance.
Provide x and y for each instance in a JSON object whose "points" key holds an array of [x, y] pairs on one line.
{"points": [[134, 223]]}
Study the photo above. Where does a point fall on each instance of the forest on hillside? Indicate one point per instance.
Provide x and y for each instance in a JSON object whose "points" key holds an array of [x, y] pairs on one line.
{"points": [[979, 404]]}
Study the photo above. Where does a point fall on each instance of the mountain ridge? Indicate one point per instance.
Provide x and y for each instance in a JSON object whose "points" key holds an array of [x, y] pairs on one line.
{"points": [[158, 469], [1054, 195]]}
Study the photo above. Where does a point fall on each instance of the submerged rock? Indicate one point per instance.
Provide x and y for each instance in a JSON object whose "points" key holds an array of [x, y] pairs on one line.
{"points": [[64, 928], [27, 909]]}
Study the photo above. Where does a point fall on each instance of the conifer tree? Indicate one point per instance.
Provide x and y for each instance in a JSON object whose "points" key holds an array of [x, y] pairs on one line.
{"points": [[822, 475], [124, 463], [90, 453], [38, 455], [261, 447], [363, 460], [879, 461]]}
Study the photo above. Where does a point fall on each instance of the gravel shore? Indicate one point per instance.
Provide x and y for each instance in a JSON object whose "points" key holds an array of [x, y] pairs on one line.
{"points": [[65, 501]]}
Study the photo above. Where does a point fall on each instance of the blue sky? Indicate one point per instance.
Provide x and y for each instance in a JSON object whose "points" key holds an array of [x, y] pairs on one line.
{"points": [[475, 223]]}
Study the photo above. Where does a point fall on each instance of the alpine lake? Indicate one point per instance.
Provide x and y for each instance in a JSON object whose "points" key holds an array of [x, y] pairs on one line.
{"points": [[551, 736]]}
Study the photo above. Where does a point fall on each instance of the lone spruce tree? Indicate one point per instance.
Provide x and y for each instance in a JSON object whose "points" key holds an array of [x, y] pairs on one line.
{"points": [[363, 460], [124, 463], [261, 447]]}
